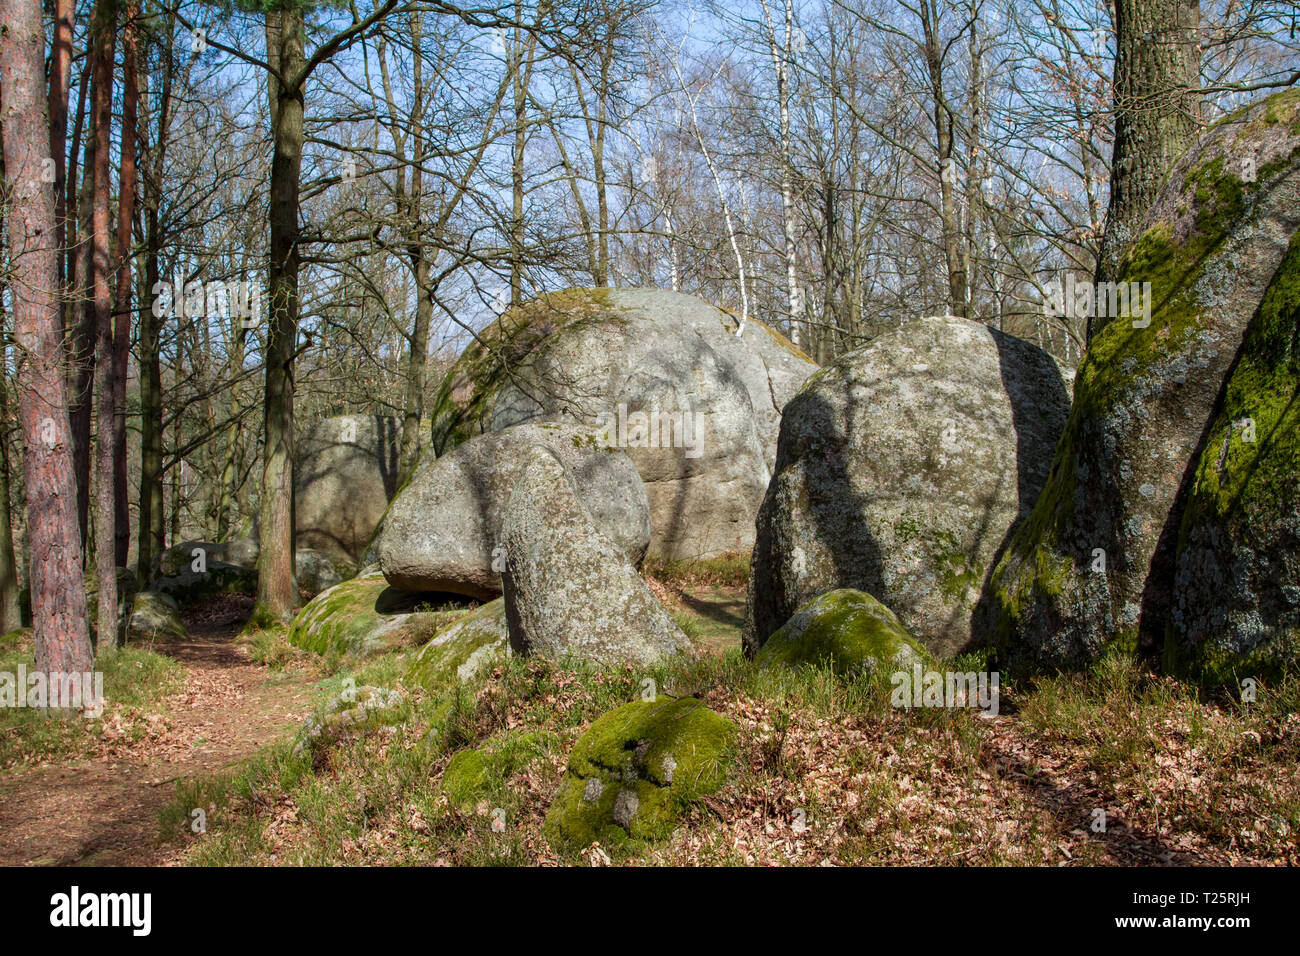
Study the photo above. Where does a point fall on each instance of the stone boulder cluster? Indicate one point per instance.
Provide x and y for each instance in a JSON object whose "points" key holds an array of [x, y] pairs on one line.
{"points": [[945, 488]]}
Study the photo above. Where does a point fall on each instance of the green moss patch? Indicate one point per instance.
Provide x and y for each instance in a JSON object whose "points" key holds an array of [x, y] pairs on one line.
{"points": [[365, 616], [463, 649], [636, 769], [846, 630]]}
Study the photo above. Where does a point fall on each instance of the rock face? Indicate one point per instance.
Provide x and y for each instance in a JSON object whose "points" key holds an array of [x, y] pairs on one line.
{"points": [[317, 571], [464, 649], [365, 616], [848, 631], [900, 469], [634, 769], [1147, 400], [570, 590], [1236, 609], [443, 531], [345, 476], [664, 375]]}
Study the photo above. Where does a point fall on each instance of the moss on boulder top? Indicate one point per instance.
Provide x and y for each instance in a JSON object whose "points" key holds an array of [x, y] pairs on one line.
{"points": [[461, 650], [154, 617], [847, 630], [365, 616], [634, 771]]}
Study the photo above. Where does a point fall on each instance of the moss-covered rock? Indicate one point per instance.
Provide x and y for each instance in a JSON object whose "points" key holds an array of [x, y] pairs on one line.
{"points": [[1092, 569], [635, 769], [154, 617], [474, 775], [1236, 610], [365, 616], [216, 577], [463, 649], [847, 630]]}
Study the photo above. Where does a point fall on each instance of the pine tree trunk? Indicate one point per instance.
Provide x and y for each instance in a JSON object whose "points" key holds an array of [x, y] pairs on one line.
{"points": [[122, 296], [58, 588]]}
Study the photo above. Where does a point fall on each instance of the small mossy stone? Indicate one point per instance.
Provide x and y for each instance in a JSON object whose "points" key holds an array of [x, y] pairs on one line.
{"points": [[634, 771], [847, 630], [352, 709], [154, 617], [474, 775]]}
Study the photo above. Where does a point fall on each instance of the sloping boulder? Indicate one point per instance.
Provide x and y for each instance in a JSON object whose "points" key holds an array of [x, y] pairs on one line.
{"points": [[664, 376], [345, 475], [442, 532], [461, 650], [568, 588], [1093, 569], [901, 468]]}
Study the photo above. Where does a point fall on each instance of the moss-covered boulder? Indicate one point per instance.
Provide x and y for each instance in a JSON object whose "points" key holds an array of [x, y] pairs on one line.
{"points": [[479, 774], [901, 468], [459, 651], [1236, 608], [694, 404], [345, 476], [569, 590], [365, 616], [635, 769], [241, 552], [846, 630], [154, 617], [203, 578], [468, 487], [1093, 567]]}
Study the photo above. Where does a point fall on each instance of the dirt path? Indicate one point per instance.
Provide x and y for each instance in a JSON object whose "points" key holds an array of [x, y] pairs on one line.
{"points": [[104, 811]]}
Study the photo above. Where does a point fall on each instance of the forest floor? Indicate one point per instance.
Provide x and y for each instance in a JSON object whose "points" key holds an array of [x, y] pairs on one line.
{"points": [[1117, 767], [102, 807]]}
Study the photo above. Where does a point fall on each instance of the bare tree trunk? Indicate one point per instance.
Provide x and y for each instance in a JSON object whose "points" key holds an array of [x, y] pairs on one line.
{"points": [[277, 590], [103, 36], [60, 75], [122, 298], [10, 611], [943, 126], [58, 587], [1157, 111]]}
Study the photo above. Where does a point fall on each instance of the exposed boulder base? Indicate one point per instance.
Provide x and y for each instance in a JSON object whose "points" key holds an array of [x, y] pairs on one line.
{"points": [[443, 531], [634, 771], [900, 470], [346, 473], [365, 616], [568, 588], [1093, 568], [667, 379], [464, 649], [846, 630]]}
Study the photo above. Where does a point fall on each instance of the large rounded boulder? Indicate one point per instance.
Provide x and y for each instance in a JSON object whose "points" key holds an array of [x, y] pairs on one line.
{"points": [[443, 531], [346, 474], [569, 590], [900, 470], [1152, 456], [663, 376]]}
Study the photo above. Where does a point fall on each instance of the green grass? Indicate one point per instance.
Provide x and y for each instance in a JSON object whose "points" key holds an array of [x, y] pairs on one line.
{"points": [[136, 680]]}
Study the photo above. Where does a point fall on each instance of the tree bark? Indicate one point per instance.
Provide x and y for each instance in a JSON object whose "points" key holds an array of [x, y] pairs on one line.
{"points": [[103, 36], [277, 590], [57, 585], [1157, 112]]}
